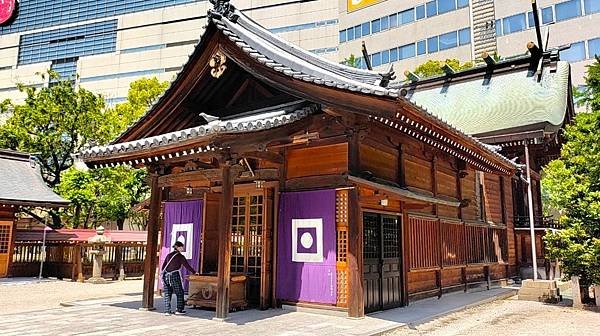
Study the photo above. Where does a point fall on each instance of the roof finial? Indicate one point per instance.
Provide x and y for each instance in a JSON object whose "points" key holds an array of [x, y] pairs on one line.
{"points": [[222, 8]]}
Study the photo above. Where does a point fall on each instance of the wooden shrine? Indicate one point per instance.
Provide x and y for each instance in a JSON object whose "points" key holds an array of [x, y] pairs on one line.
{"points": [[21, 186], [318, 182]]}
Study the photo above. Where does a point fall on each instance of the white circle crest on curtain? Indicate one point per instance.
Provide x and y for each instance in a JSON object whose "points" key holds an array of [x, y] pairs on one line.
{"points": [[306, 240]]}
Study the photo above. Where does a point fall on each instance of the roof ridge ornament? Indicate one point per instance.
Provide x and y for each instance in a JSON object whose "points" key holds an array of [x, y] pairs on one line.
{"points": [[222, 8]]}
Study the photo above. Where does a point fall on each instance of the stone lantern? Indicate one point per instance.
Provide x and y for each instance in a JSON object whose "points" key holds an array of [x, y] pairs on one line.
{"points": [[98, 242]]}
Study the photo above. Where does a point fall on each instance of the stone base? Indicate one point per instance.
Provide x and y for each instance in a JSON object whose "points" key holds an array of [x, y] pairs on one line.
{"points": [[540, 290], [97, 280]]}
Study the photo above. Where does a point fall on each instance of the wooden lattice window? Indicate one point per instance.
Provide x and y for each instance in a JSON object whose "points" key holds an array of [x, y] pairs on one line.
{"points": [[391, 237], [453, 243], [255, 236], [424, 242], [4, 238], [476, 244], [342, 247], [238, 233]]}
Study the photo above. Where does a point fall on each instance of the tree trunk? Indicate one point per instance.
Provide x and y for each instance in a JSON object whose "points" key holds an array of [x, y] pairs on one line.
{"points": [[77, 216], [120, 223], [56, 221]]}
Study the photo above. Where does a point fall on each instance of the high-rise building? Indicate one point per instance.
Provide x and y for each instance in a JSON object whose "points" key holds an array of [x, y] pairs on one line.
{"points": [[407, 33], [110, 43]]}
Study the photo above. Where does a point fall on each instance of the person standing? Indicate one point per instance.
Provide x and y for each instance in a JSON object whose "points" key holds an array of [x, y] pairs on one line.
{"points": [[171, 278]]}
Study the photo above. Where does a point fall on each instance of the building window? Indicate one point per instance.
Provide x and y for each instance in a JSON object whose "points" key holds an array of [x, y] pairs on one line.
{"points": [[547, 15], [385, 57], [432, 44], [393, 21], [591, 6], [393, 55], [385, 23], [575, 53], [445, 6], [568, 10], [376, 59], [375, 26], [406, 51], [594, 47], [350, 33], [498, 27], [431, 9], [420, 12], [448, 40], [462, 3], [530, 20], [366, 28], [513, 24], [342, 36], [407, 16], [44, 14], [84, 40], [464, 36], [357, 32], [421, 47]]}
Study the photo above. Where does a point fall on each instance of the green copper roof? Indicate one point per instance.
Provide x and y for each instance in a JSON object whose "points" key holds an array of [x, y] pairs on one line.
{"points": [[508, 103]]}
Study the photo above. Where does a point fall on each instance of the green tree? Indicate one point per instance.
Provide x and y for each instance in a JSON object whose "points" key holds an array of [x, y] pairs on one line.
{"points": [[572, 184], [351, 61], [140, 96], [433, 67], [53, 123], [108, 194], [79, 187]]}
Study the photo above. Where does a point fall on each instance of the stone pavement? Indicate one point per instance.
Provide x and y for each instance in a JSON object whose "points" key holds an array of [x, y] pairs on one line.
{"points": [[121, 316]]}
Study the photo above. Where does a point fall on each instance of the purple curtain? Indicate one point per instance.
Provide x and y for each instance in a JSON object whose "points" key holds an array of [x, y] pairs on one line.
{"points": [[183, 222], [306, 258]]}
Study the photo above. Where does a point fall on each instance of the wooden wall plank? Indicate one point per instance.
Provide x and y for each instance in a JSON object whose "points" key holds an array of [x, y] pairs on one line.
{"points": [[314, 161]]}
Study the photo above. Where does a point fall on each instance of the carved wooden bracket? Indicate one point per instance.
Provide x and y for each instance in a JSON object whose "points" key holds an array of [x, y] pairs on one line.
{"points": [[217, 64]]}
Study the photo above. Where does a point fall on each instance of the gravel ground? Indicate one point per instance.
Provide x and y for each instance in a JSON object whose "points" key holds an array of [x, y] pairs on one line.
{"points": [[511, 317], [31, 295]]}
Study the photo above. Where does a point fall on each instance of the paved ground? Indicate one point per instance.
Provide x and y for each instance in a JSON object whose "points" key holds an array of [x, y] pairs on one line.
{"points": [[510, 317], [29, 294], [38, 313]]}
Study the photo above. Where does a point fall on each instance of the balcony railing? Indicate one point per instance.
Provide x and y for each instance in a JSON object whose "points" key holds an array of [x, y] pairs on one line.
{"points": [[539, 222]]}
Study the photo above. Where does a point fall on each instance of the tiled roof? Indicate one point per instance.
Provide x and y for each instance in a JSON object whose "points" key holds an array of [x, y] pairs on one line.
{"points": [[292, 61], [507, 102], [21, 182], [250, 122]]}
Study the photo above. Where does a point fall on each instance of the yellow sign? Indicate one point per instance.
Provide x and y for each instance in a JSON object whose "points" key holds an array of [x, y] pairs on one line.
{"points": [[359, 4]]}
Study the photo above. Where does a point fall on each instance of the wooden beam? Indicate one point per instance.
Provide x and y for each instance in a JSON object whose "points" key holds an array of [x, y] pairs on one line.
{"points": [[264, 155], [315, 182], [150, 263], [356, 300], [204, 175], [224, 268]]}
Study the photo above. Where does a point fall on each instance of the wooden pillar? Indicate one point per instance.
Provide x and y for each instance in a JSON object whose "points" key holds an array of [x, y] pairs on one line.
{"points": [[79, 263], [151, 260], [224, 267], [405, 255], [354, 153], [276, 194], [356, 300]]}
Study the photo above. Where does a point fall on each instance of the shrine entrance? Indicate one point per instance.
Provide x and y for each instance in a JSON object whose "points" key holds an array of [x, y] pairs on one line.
{"points": [[5, 246], [382, 262]]}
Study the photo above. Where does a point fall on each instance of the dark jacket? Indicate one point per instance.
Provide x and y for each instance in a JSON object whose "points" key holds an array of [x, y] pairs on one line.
{"points": [[175, 264]]}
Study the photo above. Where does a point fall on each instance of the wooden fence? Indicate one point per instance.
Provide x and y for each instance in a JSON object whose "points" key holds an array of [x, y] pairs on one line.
{"points": [[67, 260], [444, 254]]}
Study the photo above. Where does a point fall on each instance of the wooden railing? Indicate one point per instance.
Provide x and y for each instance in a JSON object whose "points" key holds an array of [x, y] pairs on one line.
{"points": [[74, 261], [540, 222]]}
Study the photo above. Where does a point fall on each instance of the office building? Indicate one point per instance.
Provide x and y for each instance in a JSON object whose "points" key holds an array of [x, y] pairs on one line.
{"points": [[110, 43]]}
